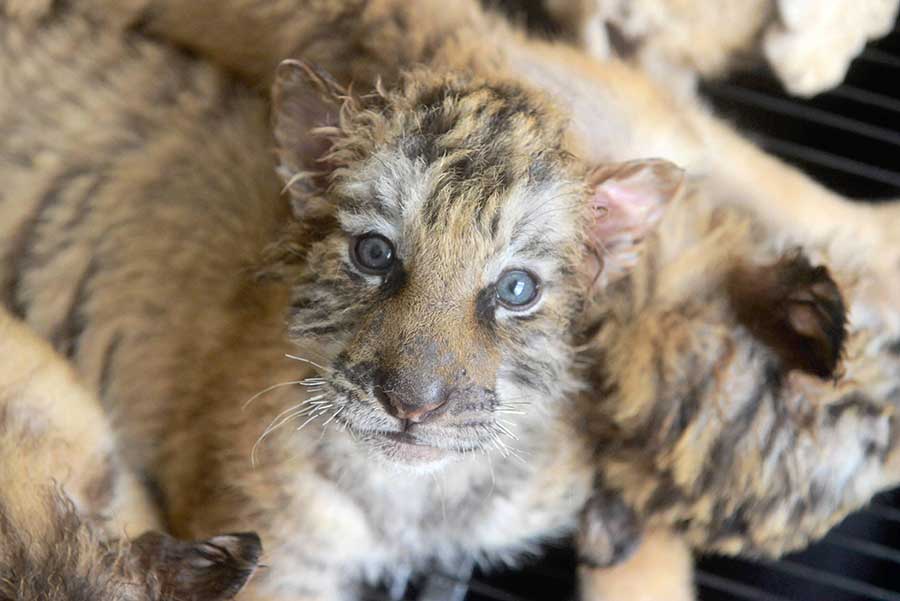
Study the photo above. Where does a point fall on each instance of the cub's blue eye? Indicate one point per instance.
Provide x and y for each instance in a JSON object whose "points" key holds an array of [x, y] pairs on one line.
{"points": [[517, 289], [372, 253]]}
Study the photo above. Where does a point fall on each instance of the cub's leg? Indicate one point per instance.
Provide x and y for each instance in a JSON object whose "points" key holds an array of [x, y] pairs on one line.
{"points": [[660, 569]]}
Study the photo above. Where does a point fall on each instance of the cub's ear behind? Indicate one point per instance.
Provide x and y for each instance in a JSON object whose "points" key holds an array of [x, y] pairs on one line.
{"points": [[306, 111], [795, 309], [212, 570], [627, 202]]}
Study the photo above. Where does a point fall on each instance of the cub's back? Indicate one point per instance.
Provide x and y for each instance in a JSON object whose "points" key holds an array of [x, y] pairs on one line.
{"points": [[138, 193]]}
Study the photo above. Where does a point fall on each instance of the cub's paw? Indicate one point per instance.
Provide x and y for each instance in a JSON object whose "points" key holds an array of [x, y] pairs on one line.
{"points": [[661, 569], [795, 309], [211, 570]]}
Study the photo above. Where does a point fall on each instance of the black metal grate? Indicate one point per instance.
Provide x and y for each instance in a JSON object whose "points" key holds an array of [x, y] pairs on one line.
{"points": [[848, 139]]}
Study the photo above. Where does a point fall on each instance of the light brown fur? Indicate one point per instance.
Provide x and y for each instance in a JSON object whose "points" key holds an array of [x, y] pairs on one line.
{"points": [[620, 113], [54, 433], [660, 570], [742, 455], [67, 502], [182, 263], [690, 139]]}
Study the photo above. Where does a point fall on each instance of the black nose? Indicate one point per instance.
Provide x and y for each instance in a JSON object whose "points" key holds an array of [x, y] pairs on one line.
{"points": [[414, 398]]}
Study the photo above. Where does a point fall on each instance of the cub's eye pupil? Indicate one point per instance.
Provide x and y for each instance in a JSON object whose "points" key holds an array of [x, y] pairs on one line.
{"points": [[517, 289], [373, 253]]}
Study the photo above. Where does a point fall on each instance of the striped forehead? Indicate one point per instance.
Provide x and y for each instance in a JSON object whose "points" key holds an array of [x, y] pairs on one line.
{"points": [[480, 161], [417, 204]]}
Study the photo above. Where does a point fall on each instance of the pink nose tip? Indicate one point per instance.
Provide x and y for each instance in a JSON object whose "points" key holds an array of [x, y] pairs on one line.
{"points": [[416, 413], [412, 397]]}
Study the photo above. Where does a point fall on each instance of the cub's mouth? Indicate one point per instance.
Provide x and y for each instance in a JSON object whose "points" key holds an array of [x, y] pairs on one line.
{"points": [[406, 448], [411, 445], [405, 438]]}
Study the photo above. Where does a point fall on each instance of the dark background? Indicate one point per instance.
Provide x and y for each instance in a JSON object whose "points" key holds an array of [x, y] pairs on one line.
{"points": [[848, 139]]}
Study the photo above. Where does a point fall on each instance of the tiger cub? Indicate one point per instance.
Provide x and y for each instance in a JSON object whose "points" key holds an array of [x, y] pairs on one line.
{"points": [[734, 409], [691, 138], [808, 44], [376, 371], [609, 124], [66, 501]]}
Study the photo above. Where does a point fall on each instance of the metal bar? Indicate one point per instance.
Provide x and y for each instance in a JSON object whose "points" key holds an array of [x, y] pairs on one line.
{"points": [[863, 547], [837, 581], [814, 115], [866, 97], [733, 588], [832, 161], [493, 592], [881, 57]]}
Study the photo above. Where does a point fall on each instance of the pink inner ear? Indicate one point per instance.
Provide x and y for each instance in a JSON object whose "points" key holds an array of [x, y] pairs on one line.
{"points": [[623, 213], [628, 201]]}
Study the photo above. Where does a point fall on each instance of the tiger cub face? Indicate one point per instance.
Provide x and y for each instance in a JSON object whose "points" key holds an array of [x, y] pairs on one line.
{"points": [[449, 255]]}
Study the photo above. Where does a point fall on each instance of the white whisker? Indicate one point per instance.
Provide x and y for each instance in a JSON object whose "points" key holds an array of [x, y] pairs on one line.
{"points": [[311, 418], [271, 428], [506, 431], [499, 445], [278, 421], [304, 360], [317, 408], [493, 476], [516, 455], [300, 406], [509, 412], [440, 492], [270, 389], [334, 415]]}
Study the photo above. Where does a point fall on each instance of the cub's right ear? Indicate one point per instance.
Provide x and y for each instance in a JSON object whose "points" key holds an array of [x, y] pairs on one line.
{"points": [[627, 201], [212, 570], [307, 104]]}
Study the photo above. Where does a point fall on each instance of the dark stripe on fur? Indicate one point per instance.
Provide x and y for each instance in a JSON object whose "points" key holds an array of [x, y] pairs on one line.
{"points": [[106, 368], [19, 251], [66, 335], [856, 401]]}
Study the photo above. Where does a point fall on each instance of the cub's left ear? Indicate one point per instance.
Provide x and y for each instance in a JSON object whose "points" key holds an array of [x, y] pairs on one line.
{"points": [[307, 104], [627, 201], [212, 570]]}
